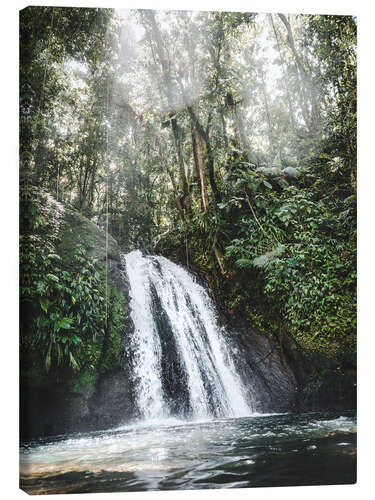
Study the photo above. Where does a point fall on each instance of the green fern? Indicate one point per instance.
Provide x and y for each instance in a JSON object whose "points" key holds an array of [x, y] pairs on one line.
{"points": [[244, 263], [265, 260]]}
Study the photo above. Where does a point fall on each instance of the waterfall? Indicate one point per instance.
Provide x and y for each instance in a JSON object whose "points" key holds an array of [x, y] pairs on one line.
{"points": [[181, 361]]}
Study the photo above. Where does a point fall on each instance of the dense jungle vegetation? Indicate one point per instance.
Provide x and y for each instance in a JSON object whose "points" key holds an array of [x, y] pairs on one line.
{"points": [[225, 141]]}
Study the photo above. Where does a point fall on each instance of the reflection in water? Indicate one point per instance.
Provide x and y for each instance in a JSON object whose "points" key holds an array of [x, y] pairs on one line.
{"points": [[268, 450]]}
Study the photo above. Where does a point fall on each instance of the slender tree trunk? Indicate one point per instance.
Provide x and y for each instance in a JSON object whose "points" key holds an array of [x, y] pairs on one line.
{"points": [[283, 67], [257, 220], [92, 182], [204, 134], [211, 171], [179, 205], [268, 116], [224, 128], [219, 258], [198, 149], [195, 156], [239, 126], [305, 83], [181, 165], [85, 182]]}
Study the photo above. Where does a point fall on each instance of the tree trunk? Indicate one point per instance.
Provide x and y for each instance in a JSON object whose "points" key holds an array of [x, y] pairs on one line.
{"points": [[224, 128], [198, 150], [239, 126], [268, 116], [170, 174], [181, 165], [306, 85], [211, 171], [204, 134], [291, 112], [219, 258]]}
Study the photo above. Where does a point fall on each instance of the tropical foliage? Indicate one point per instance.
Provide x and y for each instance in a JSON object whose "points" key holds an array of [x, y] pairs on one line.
{"points": [[63, 302]]}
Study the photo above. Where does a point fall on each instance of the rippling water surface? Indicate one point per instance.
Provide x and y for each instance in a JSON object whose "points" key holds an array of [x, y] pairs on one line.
{"points": [[265, 450]]}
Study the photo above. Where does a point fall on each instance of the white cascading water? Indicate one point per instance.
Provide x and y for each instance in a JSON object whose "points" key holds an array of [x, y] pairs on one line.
{"points": [[188, 355]]}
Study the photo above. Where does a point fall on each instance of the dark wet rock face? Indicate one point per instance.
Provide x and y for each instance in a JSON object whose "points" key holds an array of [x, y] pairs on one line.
{"points": [[48, 412], [272, 381], [112, 402], [321, 385], [294, 381]]}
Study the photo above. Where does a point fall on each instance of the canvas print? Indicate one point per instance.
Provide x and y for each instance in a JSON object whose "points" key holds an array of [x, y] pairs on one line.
{"points": [[187, 250]]}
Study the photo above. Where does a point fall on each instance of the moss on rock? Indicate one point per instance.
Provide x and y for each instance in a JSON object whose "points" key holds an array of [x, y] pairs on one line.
{"points": [[78, 230]]}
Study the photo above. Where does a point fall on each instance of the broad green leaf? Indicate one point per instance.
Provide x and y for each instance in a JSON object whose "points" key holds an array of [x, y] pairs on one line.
{"points": [[44, 303]]}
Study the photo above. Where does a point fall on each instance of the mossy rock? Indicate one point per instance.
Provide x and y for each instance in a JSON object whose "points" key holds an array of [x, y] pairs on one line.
{"points": [[78, 230]]}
